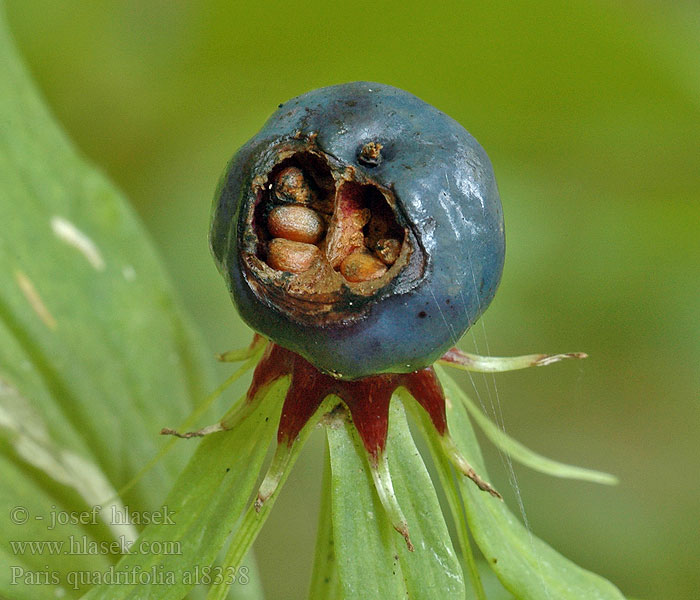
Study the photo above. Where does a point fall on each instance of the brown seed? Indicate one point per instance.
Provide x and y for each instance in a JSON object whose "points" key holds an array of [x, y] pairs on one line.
{"points": [[296, 223], [291, 186], [294, 257], [362, 266], [387, 250]]}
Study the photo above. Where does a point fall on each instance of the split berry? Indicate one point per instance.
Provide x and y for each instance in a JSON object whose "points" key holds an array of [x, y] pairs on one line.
{"points": [[360, 232], [361, 228]]}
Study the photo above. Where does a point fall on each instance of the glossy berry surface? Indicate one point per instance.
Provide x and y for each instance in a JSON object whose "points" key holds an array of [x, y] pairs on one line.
{"points": [[361, 228]]}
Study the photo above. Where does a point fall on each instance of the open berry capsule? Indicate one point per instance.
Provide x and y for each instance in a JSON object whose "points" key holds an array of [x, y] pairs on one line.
{"points": [[361, 228]]}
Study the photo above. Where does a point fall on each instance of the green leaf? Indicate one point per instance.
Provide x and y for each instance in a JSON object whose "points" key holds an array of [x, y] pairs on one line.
{"points": [[282, 462], [494, 588], [453, 497], [90, 332], [368, 566], [96, 354], [372, 558], [529, 458], [526, 566], [324, 578], [432, 570], [207, 501], [36, 538]]}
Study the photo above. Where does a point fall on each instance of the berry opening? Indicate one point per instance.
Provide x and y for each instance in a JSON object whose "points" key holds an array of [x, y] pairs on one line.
{"points": [[323, 237], [305, 216]]}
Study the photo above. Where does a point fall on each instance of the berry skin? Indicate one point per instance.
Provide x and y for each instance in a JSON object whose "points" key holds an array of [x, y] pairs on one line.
{"points": [[383, 183]]}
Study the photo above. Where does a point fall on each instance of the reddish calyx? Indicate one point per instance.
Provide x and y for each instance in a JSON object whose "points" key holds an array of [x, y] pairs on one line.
{"points": [[367, 399]]}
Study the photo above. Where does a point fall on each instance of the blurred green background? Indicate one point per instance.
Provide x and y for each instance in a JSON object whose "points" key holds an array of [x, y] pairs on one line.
{"points": [[590, 112]]}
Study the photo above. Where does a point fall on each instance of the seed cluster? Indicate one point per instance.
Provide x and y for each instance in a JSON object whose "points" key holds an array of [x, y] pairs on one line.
{"points": [[355, 234]]}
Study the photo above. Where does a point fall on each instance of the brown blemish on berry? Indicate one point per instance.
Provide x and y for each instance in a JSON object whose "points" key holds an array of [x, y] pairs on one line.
{"points": [[370, 154]]}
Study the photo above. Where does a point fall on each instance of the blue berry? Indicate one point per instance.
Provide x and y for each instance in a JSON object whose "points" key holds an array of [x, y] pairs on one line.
{"points": [[360, 228]]}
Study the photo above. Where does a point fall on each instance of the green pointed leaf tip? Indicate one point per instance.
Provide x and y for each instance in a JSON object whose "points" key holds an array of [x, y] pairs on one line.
{"points": [[527, 457], [499, 364], [526, 566]]}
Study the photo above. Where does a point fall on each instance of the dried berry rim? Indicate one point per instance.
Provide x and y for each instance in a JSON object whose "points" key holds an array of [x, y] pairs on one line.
{"points": [[324, 290]]}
